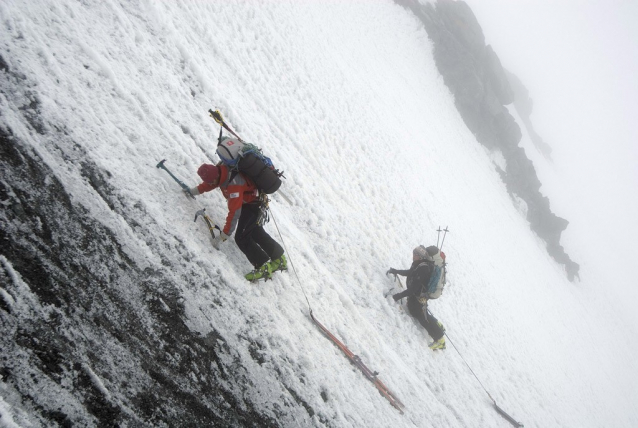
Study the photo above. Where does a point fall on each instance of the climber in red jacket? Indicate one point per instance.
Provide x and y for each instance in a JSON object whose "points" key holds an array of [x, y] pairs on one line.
{"points": [[244, 215]]}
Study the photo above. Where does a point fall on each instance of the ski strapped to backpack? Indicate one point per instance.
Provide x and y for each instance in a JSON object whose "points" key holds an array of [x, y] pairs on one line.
{"points": [[246, 158]]}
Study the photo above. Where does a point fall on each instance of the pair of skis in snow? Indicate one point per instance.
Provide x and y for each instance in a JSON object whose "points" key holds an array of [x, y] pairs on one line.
{"points": [[356, 360]]}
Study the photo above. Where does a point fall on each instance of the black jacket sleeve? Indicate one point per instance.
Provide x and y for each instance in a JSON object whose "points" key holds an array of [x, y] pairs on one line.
{"points": [[420, 279], [401, 295], [404, 293]]}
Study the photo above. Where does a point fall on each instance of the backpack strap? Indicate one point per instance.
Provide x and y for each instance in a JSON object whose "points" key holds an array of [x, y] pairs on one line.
{"points": [[219, 139], [425, 287], [233, 174]]}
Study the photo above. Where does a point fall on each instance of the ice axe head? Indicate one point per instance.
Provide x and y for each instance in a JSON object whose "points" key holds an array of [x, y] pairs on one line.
{"points": [[200, 212], [161, 164]]}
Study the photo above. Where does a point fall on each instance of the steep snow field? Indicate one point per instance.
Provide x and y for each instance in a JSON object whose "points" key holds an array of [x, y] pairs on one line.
{"points": [[346, 99]]}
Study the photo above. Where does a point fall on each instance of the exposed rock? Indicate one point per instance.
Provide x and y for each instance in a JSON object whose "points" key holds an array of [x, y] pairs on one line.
{"points": [[89, 337], [522, 102], [74, 345], [481, 88], [524, 106], [498, 77]]}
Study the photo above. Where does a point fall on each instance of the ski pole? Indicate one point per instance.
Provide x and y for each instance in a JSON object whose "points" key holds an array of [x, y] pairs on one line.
{"points": [[438, 235], [184, 186], [445, 231]]}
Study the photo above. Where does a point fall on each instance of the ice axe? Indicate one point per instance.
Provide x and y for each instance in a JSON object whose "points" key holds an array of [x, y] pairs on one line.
{"points": [[392, 290], [161, 165], [211, 225]]}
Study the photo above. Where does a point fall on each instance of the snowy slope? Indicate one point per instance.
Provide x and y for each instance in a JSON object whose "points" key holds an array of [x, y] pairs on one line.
{"points": [[346, 99]]}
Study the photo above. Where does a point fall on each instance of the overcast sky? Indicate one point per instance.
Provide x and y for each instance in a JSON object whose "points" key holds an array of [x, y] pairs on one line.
{"points": [[579, 61]]}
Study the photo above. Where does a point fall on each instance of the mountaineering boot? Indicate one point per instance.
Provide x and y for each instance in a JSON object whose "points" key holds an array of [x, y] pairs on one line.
{"points": [[438, 344], [279, 264], [262, 272], [441, 325]]}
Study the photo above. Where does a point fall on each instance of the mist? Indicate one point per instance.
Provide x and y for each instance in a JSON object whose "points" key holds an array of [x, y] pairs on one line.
{"points": [[579, 61]]}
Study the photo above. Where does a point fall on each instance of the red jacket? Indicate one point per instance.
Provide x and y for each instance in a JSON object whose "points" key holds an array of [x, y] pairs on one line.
{"points": [[238, 192]]}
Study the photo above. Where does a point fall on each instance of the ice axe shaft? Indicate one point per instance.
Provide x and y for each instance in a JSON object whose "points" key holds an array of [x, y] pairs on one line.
{"points": [[161, 165], [211, 225]]}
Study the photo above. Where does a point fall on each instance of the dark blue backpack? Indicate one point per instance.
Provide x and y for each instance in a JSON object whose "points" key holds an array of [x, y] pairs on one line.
{"points": [[248, 159]]}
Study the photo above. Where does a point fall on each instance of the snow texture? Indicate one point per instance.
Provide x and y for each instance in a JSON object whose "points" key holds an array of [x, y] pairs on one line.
{"points": [[346, 99]]}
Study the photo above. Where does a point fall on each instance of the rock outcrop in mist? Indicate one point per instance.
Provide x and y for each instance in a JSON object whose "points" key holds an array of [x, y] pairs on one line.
{"points": [[524, 105], [482, 87]]}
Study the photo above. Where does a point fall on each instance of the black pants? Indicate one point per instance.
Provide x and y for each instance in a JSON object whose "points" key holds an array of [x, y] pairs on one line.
{"points": [[253, 240], [420, 312]]}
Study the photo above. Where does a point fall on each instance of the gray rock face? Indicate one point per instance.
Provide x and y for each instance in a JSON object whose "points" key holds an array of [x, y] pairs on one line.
{"points": [[89, 337], [498, 77], [524, 106], [481, 88], [81, 324]]}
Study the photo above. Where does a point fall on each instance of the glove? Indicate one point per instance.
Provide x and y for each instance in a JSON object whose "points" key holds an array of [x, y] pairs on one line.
{"points": [[191, 192], [397, 297], [391, 271], [217, 241], [423, 300]]}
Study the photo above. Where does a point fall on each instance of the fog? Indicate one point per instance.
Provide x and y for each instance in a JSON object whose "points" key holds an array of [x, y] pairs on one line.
{"points": [[155, 327], [579, 61]]}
